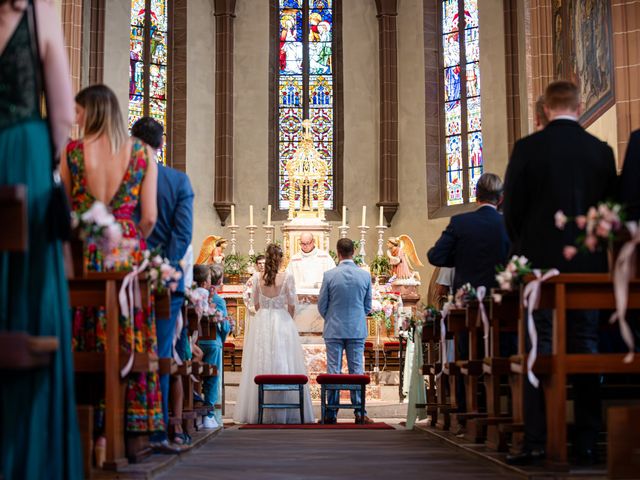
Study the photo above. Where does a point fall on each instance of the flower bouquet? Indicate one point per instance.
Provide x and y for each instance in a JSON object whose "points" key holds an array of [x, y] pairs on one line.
{"points": [[600, 225], [465, 294], [384, 308], [510, 276], [98, 229], [163, 279]]}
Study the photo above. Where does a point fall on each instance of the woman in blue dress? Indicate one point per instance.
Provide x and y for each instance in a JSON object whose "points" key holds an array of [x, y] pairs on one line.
{"points": [[38, 427]]}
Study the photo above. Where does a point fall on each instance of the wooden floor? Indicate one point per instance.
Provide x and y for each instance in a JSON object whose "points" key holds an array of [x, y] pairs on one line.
{"points": [[334, 454]]}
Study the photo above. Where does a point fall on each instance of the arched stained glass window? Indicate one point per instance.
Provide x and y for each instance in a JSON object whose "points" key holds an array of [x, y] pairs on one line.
{"points": [[306, 60], [148, 65], [462, 110]]}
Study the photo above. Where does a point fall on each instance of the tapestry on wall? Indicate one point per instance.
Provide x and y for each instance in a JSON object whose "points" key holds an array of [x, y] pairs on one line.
{"points": [[583, 52]]}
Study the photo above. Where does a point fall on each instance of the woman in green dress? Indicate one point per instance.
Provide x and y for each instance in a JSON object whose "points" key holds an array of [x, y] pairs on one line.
{"points": [[38, 426]]}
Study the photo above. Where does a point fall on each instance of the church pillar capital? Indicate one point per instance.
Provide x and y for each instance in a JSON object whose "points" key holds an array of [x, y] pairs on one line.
{"points": [[388, 65], [224, 11]]}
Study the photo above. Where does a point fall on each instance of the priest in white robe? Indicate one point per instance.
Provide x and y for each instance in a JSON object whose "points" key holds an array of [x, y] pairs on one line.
{"points": [[307, 268]]}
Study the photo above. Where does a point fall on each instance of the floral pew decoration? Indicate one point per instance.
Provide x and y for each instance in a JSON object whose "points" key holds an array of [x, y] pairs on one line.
{"points": [[603, 225], [510, 277]]}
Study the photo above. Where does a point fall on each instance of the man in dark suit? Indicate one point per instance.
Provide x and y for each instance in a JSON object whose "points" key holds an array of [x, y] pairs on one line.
{"points": [[630, 178], [172, 234], [474, 243], [559, 168]]}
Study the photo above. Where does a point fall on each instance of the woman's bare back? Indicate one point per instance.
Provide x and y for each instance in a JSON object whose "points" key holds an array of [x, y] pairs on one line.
{"points": [[104, 170]]}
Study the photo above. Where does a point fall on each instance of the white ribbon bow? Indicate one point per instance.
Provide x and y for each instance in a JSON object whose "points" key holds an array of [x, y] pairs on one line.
{"points": [[623, 272], [129, 297], [481, 291], [530, 301], [176, 335], [443, 336]]}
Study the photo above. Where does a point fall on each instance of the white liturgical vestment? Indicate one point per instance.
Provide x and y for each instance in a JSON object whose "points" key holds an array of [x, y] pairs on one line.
{"points": [[308, 269]]}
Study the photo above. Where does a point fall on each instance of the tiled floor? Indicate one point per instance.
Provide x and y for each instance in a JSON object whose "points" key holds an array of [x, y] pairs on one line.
{"points": [[315, 454]]}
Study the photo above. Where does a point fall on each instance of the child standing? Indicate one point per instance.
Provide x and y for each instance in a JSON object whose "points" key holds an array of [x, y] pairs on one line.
{"points": [[212, 349]]}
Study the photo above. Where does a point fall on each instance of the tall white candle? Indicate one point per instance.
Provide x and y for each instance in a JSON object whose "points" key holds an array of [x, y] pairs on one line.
{"points": [[381, 216], [344, 216], [269, 215], [233, 215], [364, 215], [250, 214]]}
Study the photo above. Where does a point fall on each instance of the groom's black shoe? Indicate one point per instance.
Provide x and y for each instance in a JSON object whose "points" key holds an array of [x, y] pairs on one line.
{"points": [[329, 421]]}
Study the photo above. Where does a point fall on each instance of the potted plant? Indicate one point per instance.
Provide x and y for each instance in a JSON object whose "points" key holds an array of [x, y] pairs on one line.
{"points": [[380, 269], [235, 265]]}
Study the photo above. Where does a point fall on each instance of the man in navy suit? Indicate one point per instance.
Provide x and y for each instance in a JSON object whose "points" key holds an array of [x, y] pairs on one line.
{"points": [[475, 242], [172, 234], [630, 178], [344, 302]]}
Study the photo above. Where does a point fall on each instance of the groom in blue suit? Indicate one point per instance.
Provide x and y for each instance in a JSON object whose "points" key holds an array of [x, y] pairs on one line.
{"points": [[344, 303]]}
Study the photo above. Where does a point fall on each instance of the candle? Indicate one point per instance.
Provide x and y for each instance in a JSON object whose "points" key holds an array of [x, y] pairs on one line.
{"points": [[250, 214], [381, 222], [269, 215], [233, 215], [344, 216], [364, 215]]}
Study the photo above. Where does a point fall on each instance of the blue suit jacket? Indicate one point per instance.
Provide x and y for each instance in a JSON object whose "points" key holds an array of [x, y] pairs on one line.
{"points": [[630, 178], [174, 226], [473, 243], [345, 301]]}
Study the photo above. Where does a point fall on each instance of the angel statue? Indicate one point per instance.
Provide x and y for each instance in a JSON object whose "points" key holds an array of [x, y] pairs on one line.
{"points": [[402, 255], [212, 250]]}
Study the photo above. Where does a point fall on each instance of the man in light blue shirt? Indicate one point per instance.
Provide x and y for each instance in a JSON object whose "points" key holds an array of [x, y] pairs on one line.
{"points": [[344, 303]]}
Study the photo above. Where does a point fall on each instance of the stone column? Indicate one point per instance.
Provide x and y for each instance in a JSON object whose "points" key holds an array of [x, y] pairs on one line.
{"points": [[626, 54], [388, 64], [539, 50], [223, 180], [72, 29], [96, 42], [512, 70]]}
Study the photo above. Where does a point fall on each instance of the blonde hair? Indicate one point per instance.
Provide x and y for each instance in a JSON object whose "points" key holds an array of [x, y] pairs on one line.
{"points": [[102, 115]]}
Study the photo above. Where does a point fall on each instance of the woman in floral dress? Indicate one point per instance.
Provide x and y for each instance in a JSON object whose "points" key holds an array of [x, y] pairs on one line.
{"points": [[108, 166]]}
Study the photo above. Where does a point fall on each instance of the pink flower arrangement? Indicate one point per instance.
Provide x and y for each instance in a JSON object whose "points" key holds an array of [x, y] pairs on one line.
{"points": [[511, 274], [465, 294], [100, 225], [600, 226], [161, 273]]}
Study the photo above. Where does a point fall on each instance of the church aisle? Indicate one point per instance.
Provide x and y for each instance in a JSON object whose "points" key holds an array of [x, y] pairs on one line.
{"points": [[335, 454]]}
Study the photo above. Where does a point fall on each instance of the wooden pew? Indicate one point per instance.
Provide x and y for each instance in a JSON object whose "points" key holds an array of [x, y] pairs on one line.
{"points": [[102, 289], [19, 350], [561, 293], [503, 318], [430, 339], [446, 402], [471, 370]]}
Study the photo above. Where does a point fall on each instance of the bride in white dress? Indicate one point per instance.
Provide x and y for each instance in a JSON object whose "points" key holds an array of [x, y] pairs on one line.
{"points": [[272, 346]]}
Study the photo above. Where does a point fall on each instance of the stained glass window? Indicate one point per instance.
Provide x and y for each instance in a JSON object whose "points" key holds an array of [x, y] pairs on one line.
{"points": [[462, 107], [148, 63], [305, 87]]}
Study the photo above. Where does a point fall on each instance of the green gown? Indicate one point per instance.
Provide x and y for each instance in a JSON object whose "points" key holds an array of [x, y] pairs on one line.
{"points": [[39, 436]]}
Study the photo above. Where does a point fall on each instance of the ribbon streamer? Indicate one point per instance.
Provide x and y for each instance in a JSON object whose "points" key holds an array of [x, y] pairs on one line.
{"points": [[530, 301], [129, 297], [623, 272], [481, 291], [176, 335], [443, 336]]}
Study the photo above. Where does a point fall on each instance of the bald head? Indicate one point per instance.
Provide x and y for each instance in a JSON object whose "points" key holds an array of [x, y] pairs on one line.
{"points": [[307, 242]]}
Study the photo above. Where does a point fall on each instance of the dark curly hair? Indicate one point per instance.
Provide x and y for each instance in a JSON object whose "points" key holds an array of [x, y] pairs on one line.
{"points": [[272, 264]]}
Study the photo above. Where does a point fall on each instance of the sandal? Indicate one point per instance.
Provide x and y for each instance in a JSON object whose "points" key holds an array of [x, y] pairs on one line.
{"points": [[182, 439]]}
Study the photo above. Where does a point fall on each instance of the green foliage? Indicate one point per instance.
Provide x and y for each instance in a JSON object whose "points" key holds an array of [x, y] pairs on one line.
{"points": [[380, 266], [235, 264]]}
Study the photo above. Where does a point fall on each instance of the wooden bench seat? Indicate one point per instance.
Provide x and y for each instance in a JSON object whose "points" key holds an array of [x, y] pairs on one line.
{"points": [[13, 218], [21, 351]]}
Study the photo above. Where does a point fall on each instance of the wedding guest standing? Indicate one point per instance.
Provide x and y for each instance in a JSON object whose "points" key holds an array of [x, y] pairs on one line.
{"points": [[474, 243], [630, 178], [108, 166], [559, 168], [38, 426], [172, 235]]}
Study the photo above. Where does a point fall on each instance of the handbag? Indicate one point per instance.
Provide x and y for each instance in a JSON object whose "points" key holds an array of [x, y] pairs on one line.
{"points": [[59, 212]]}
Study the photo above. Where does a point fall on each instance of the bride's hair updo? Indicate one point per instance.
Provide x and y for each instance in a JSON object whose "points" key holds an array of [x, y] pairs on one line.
{"points": [[272, 264]]}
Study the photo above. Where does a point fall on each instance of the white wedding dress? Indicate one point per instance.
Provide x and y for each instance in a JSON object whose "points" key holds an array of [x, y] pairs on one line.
{"points": [[272, 346]]}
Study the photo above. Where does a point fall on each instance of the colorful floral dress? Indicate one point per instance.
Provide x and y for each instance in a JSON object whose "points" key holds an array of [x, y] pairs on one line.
{"points": [[144, 404]]}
